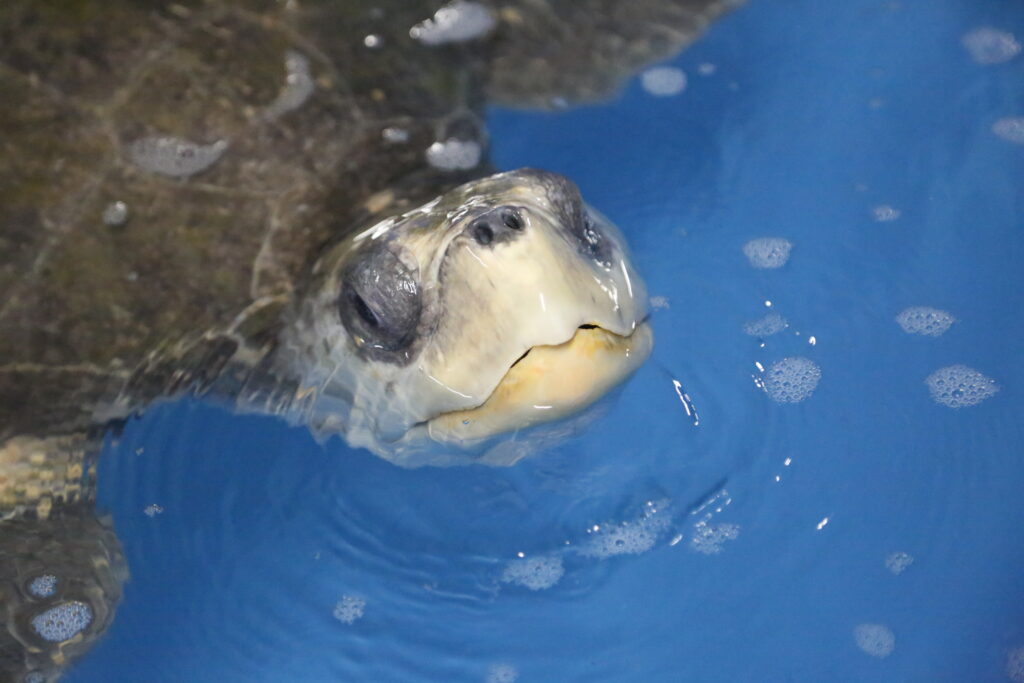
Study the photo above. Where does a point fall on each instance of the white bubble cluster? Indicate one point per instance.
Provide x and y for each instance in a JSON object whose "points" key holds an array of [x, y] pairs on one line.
{"points": [[706, 69], [663, 81], [629, 538], [298, 86], [767, 252], [152, 510], [875, 639], [885, 213], [1015, 665], [930, 322], [958, 386], [454, 154], [659, 303], [115, 213], [174, 157], [708, 538], [1010, 129], [349, 609], [535, 573], [62, 622], [456, 22], [502, 673], [990, 46], [770, 324], [43, 586], [898, 562], [791, 380]]}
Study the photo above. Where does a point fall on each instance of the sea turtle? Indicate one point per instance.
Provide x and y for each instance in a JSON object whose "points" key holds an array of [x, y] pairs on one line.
{"points": [[286, 204]]}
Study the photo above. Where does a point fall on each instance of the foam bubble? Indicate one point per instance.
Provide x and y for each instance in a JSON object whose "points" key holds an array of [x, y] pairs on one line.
{"points": [[349, 609], [875, 639], [456, 22], [706, 69], [885, 213], [958, 386], [770, 324], [897, 563], [621, 539], [663, 81], [1010, 129], [152, 510], [629, 538], [1015, 664], [930, 322], [990, 46], [454, 154], [115, 213], [791, 380], [535, 573], [298, 86], [767, 252], [175, 157], [708, 538], [43, 586], [62, 622], [502, 673], [659, 303]]}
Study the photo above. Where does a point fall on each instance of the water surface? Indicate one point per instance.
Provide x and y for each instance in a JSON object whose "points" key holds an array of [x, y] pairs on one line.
{"points": [[752, 546]]}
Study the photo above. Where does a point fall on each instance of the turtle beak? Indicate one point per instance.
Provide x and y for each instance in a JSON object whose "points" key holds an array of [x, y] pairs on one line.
{"points": [[549, 383]]}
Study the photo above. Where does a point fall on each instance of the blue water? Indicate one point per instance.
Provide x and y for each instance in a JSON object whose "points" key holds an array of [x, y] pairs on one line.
{"points": [[816, 114]]}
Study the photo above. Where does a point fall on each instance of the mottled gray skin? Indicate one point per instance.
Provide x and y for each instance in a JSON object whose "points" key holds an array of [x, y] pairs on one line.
{"points": [[189, 292]]}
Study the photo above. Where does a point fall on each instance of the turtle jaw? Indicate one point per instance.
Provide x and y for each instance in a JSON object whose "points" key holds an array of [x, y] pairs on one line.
{"points": [[549, 382]]}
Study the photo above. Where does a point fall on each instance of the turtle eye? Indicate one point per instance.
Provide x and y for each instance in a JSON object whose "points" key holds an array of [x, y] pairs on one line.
{"points": [[380, 303], [364, 311]]}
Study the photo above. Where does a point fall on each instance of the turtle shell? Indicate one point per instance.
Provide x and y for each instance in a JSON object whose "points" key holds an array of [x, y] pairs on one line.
{"points": [[165, 165]]}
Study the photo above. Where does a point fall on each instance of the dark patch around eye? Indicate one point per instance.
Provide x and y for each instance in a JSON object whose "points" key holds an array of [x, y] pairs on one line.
{"points": [[380, 303]]}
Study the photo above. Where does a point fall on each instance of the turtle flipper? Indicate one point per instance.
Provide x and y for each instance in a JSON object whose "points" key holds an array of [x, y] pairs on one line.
{"points": [[39, 474], [61, 567], [60, 583], [554, 52]]}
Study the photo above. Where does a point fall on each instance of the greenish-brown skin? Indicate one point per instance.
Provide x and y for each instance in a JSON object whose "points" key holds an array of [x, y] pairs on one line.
{"points": [[98, 319]]}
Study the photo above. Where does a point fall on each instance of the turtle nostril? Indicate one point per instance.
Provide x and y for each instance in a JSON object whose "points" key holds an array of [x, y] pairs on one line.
{"points": [[511, 219], [483, 234]]}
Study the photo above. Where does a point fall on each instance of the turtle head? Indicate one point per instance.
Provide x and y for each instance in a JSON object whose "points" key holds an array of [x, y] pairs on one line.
{"points": [[504, 303]]}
